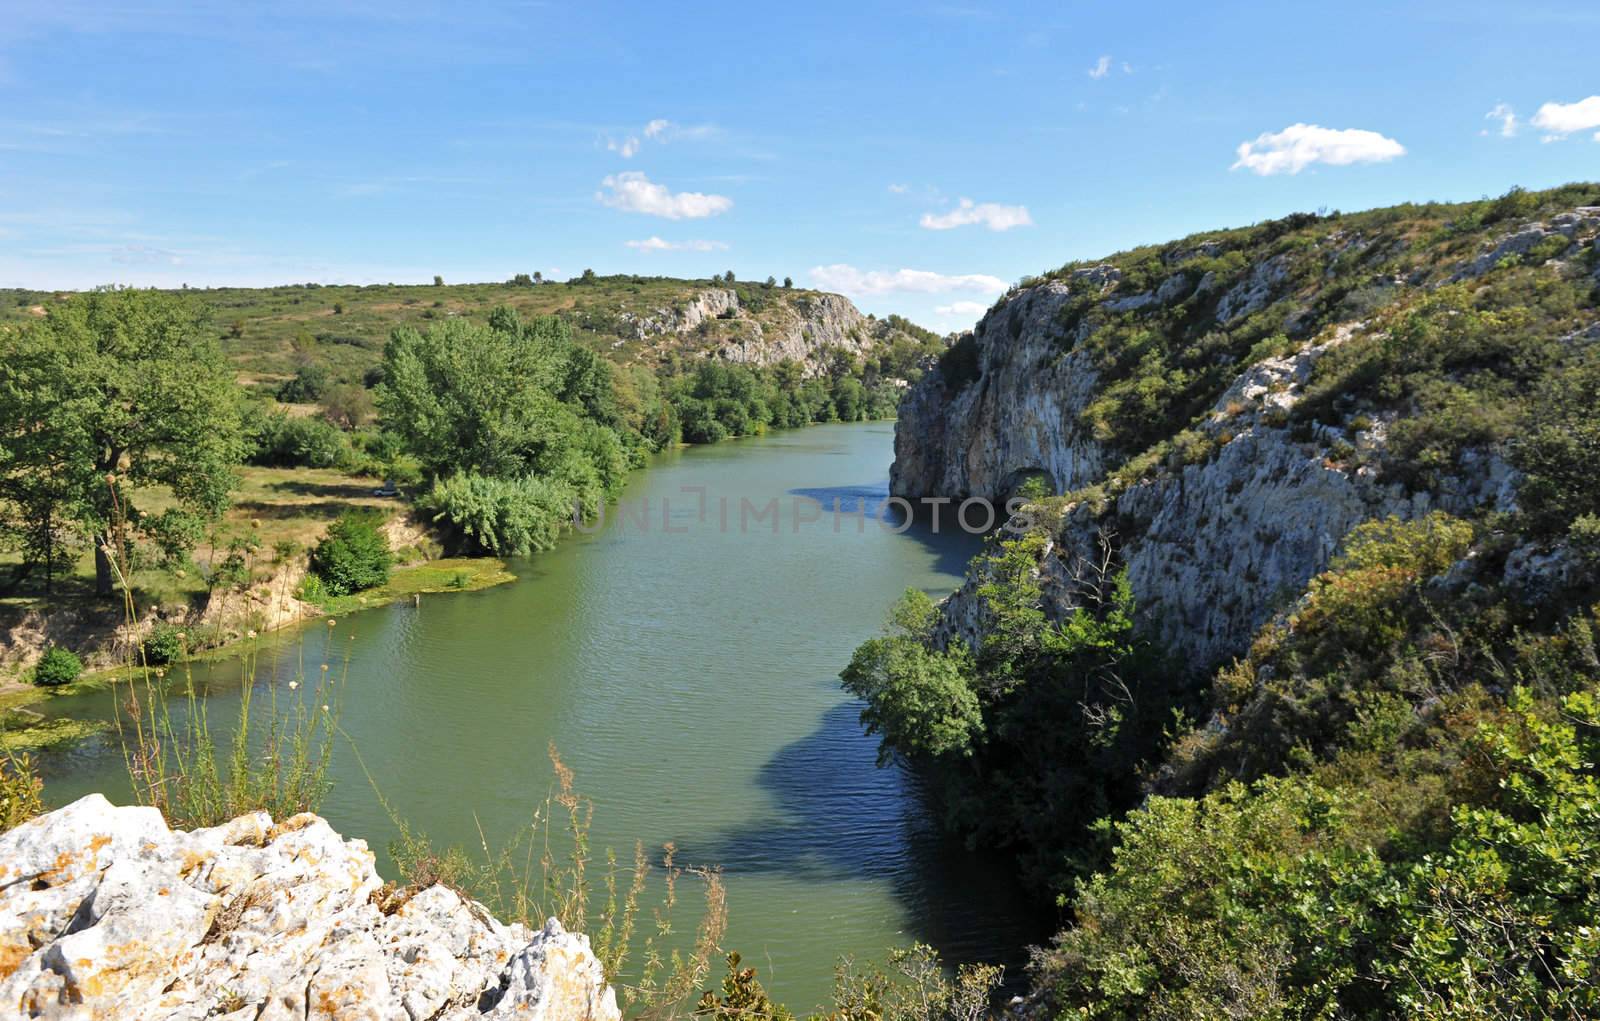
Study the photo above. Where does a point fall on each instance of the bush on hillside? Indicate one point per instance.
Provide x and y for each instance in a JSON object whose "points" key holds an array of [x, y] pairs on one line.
{"points": [[504, 517], [163, 645], [307, 385], [57, 666], [354, 555], [284, 441]]}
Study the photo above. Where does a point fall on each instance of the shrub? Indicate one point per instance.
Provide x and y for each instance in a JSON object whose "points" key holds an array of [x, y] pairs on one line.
{"points": [[308, 384], [21, 792], [281, 441], [1273, 901], [163, 645], [57, 666], [354, 555], [505, 517], [311, 589]]}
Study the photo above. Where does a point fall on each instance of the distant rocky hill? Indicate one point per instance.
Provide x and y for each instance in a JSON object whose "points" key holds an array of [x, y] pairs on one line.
{"points": [[271, 331]]}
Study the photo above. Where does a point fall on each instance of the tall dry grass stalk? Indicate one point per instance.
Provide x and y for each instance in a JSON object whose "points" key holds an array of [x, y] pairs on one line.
{"points": [[544, 871], [276, 759]]}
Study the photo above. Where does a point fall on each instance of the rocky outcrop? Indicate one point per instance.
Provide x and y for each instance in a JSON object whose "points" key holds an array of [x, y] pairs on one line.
{"points": [[961, 438], [1225, 523], [1577, 227], [1213, 549], [683, 318], [105, 913], [805, 327], [805, 331]]}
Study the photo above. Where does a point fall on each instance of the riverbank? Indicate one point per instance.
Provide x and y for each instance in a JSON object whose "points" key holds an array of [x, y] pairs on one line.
{"points": [[24, 727], [280, 509]]}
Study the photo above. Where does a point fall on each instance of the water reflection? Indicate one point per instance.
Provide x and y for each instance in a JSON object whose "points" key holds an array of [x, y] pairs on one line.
{"points": [[838, 817]]}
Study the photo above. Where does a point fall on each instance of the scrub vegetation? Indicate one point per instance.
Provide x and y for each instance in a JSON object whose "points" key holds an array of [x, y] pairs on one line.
{"points": [[1389, 806]]}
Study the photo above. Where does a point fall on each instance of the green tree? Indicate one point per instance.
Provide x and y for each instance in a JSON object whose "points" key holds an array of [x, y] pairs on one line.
{"points": [[118, 391], [479, 398], [354, 555], [920, 700]]}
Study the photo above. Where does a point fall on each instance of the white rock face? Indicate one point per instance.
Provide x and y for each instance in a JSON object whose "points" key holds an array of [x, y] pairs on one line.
{"points": [[708, 304], [1019, 416], [1212, 549], [1577, 225], [804, 328], [105, 913], [1255, 292], [804, 332]]}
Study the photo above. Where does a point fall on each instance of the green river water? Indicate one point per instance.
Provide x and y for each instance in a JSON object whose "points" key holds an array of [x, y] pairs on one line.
{"points": [[690, 679]]}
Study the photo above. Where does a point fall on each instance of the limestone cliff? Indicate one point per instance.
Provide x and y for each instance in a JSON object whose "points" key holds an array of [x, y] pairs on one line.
{"points": [[105, 913], [1158, 394], [805, 327]]}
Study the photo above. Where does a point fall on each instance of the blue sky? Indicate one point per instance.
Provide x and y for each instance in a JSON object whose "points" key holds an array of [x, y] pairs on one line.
{"points": [[916, 156]]}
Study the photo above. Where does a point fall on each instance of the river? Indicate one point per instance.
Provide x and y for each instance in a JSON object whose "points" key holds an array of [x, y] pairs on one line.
{"points": [[690, 678]]}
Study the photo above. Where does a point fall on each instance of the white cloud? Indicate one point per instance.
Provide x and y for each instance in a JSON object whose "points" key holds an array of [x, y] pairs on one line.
{"points": [[1101, 68], [1507, 117], [659, 130], [655, 244], [899, 189], [850, 280], [663, 130], [1300, 145], [632, 192], [990, 214], [1559, 120], [961, 309]]}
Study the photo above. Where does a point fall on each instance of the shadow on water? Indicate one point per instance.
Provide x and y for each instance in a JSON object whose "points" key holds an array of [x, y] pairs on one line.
{"points": [[946, 539], [837, 817]]}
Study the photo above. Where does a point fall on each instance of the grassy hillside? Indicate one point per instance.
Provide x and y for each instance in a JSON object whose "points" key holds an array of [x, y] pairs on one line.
{"points": [[270, 331]]}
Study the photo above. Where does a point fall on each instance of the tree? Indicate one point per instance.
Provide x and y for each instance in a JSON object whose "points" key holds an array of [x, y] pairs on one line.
{"points": [[770, 283], [354, 555], [438, 281], [919, 700], [41, 492], [113, 392], [480, 398], [346, 405], [728, 276], [788, 282]]}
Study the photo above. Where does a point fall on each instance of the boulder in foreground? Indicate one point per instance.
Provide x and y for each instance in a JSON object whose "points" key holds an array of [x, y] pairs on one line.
{"points": [[107, 913]]}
